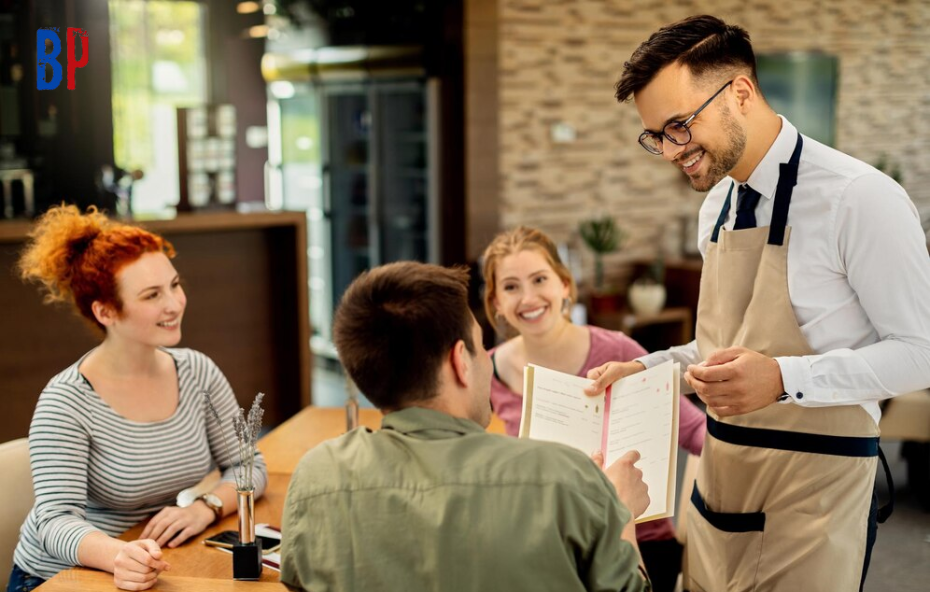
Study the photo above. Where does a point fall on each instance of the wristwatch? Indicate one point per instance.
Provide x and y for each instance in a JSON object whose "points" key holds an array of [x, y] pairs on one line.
{"points": [[213, 502]]}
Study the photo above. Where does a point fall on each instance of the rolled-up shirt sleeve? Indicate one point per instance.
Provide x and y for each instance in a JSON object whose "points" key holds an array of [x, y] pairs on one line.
{"points": [[611, 564]]}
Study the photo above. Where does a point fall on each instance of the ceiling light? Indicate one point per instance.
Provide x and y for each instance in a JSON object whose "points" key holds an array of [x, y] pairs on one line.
{"points": [[258, 31], [248, 7]]}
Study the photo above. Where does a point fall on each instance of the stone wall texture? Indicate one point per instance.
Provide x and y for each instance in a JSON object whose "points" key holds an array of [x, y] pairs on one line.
{"points": [[559, 59]]}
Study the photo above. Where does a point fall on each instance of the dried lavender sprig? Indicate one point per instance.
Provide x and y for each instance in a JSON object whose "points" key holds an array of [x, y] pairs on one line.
{"points": [[238, 473], [219, 422], [255, 423], [246, 436], [241, 438]]}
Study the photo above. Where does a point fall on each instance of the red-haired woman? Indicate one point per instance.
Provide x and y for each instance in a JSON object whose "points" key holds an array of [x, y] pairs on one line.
{"points": [[120, 432]]}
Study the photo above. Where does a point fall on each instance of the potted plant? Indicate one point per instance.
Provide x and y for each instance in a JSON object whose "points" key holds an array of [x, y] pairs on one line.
{"points": [[647, 294], [603, 237]]}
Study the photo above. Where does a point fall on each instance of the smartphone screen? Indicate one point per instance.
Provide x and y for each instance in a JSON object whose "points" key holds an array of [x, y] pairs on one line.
{"points": [[228, 538]]}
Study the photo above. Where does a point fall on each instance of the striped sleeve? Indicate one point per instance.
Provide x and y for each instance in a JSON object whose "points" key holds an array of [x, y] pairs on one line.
{"points": [[227, 406], [59, 441]]}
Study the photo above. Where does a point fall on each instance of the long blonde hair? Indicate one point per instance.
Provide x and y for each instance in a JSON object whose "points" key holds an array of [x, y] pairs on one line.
{"points": [[511, 242]]}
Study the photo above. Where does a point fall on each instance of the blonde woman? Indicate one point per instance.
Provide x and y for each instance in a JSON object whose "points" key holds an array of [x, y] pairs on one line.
{"points": [[529, 291]]}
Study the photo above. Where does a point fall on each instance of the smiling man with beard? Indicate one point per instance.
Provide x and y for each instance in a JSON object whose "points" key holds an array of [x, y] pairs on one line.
{"points": [[807, 318]]}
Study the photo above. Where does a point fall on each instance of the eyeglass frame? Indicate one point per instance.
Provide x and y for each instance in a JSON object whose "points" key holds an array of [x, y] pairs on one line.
{"points": [[684, 124]]}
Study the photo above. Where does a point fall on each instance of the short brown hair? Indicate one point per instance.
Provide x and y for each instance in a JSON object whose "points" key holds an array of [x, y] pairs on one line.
{"points": [[511, 242], [76, 257], [395, 326], [704, 44]]}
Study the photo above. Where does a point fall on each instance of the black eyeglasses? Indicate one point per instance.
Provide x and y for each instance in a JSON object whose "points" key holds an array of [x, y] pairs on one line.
{"points": [[676, 132]]}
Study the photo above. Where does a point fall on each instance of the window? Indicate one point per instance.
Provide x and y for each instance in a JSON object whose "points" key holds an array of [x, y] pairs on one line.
{"points": [[159, 63], [802, 87]]}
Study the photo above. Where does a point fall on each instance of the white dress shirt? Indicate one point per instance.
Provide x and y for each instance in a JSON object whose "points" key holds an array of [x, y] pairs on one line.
{"points": [[858, 277]]}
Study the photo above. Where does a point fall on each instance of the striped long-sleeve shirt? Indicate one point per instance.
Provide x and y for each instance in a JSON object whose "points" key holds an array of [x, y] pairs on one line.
{"points": [[94, 470]]}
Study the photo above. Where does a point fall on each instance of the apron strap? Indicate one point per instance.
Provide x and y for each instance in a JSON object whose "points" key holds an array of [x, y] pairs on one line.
{"points": [[787, 179], [887, 510], [724, 212], [794, 441]]}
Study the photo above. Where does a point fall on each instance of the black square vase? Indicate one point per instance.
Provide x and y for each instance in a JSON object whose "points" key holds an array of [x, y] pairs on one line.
{"points": [[247, 561]]}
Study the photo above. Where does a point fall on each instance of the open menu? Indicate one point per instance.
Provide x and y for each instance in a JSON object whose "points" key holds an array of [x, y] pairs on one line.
{"points": [[639, 412]]}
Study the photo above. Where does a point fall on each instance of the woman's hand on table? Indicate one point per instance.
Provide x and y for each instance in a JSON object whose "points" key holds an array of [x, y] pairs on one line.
{"points": [[173, 525], [138, 565]]}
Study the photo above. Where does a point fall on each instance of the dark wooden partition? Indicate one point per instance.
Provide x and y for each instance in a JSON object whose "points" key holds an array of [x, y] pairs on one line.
{"points": [[246, 281]]}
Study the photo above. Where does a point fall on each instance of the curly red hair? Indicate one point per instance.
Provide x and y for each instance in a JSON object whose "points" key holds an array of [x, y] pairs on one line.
{"points": [[76, 257]]}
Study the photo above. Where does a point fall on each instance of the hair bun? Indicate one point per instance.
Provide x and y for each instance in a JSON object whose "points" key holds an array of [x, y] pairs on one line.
{"points": [[58, 241], [79, 242]]}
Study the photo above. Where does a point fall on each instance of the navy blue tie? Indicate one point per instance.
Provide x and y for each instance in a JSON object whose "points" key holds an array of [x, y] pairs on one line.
{"points": [[746, 201]]}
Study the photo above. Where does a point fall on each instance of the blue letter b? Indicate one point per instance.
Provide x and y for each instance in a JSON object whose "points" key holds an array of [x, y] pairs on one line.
{"points": [[42, 36]]}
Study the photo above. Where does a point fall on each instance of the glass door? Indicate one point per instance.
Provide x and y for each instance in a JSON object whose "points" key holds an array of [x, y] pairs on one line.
{"points": [[402, 170], [357, 157], [295, 155], [351, 207]]}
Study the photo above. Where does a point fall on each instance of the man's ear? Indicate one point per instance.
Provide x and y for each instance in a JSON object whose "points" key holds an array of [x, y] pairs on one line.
{"points": [[746, 93], [461, 364], [105, 314]]}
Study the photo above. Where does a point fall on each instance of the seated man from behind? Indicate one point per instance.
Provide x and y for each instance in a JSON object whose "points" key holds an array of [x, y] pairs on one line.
{"points": [[432, 501]]}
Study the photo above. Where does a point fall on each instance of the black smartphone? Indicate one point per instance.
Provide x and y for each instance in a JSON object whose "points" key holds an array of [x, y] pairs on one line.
{"points": [[228, 538]]}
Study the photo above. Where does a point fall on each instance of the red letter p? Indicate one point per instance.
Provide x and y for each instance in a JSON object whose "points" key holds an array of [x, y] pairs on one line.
{"points": [[73, 64]]}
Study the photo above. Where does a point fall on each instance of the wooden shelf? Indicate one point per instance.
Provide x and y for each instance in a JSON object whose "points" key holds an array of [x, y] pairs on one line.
{"points": [[17, 230], [669, 327]]}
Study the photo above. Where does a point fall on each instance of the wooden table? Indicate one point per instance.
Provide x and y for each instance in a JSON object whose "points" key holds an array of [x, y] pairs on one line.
{"points": [[196, 567], [287, 444]]}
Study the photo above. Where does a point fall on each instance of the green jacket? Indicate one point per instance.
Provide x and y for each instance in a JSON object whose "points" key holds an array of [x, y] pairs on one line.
{"points": [[432, 502]]}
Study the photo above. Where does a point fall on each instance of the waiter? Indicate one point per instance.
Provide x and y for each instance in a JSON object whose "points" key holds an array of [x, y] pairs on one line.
{"points": [[814, 306]]}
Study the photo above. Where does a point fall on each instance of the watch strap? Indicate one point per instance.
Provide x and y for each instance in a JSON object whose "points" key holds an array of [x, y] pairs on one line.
{"points": [[217, 509]]}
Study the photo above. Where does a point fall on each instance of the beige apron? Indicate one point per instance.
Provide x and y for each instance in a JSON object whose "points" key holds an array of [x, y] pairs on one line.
{"points": [[780, 503]]}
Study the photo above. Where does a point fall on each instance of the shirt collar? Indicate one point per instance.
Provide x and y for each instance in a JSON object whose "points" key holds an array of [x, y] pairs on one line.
{"points": [[764, 178], [428, 424]]}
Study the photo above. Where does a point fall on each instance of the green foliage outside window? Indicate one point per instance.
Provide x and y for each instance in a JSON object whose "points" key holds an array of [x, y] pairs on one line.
{"points": [[157, 56]]}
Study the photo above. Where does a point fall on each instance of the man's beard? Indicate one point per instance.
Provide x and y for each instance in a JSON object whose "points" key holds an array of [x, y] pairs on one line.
{"points": [[722, 162]]}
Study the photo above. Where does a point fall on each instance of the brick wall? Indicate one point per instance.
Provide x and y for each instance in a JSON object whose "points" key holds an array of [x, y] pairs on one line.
{"points": [[558, 60]]}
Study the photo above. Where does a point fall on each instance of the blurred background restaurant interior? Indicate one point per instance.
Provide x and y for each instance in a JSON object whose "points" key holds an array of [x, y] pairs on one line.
{"points": [[285, 146]]}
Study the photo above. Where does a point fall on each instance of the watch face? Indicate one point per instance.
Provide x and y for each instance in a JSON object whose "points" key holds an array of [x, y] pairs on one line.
{"points": [[213, 501]]}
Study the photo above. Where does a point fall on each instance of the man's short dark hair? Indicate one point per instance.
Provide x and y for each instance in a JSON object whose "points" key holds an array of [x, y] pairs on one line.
{"points": [[396, 325], [704, 44]]}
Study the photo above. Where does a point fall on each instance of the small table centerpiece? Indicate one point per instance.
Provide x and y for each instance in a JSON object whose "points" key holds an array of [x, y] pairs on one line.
{"points": [[247, 552]]}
